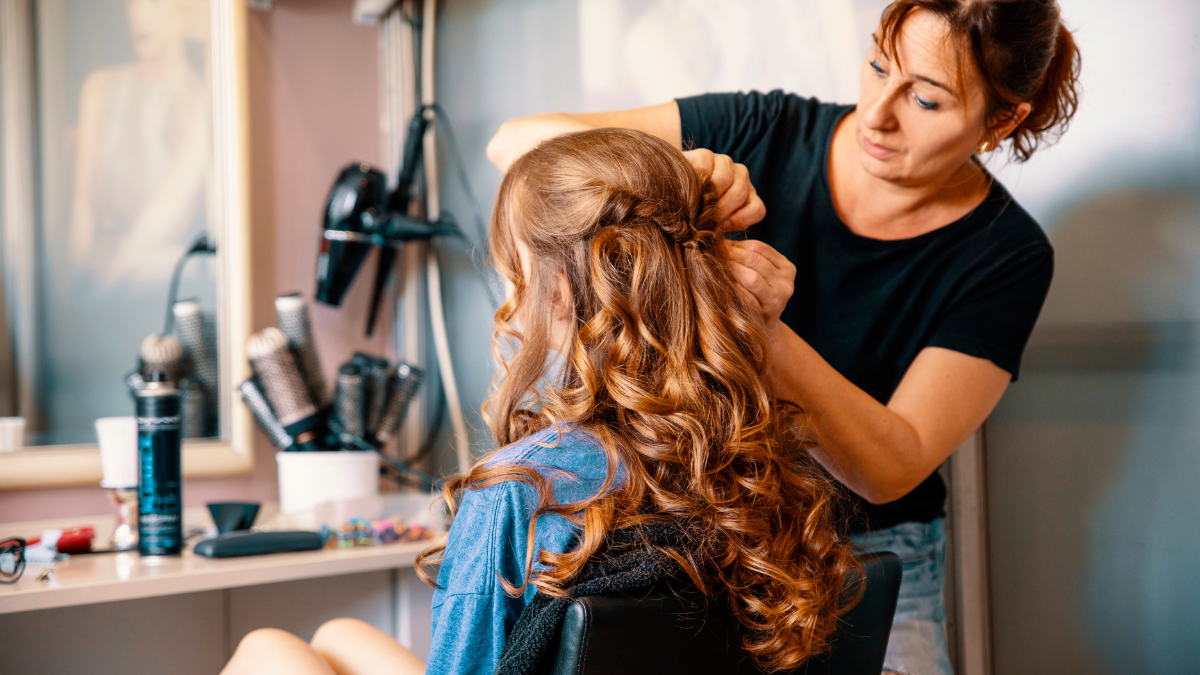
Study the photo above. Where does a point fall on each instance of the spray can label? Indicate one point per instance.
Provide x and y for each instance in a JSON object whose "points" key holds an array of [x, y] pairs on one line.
{"points": [[160, 502]]}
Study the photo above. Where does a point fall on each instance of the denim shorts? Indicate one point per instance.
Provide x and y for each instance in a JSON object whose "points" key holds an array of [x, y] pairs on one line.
{"points": [[917, 645]]}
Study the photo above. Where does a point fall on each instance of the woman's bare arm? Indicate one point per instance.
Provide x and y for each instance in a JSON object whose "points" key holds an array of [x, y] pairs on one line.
{"points": [[881, 452], [739, 206], [518, 136]]}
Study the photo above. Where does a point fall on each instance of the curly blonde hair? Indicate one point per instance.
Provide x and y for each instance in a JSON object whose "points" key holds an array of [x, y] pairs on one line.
{"points": [[665, 365]]}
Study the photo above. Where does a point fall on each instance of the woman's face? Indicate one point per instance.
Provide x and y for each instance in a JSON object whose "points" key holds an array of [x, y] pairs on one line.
{"points": [[912, 128]]}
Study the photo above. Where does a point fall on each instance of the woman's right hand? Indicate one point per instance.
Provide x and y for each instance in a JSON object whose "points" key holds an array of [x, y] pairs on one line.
{"points": [[765, 277], [739, 205]]}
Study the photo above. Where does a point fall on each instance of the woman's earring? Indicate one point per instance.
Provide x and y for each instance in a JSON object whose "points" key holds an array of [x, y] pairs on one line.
{"points": [[983, 148]]}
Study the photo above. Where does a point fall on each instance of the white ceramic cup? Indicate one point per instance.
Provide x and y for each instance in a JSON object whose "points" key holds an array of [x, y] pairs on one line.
{"points": [[307, 479], [118, 451], [12, 433]]}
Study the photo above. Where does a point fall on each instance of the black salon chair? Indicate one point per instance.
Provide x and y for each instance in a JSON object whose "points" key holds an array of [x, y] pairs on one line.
{"points": [[664, 633]]}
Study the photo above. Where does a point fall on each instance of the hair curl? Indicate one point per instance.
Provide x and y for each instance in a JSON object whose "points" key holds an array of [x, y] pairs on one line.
{"points": [[665, 365]]}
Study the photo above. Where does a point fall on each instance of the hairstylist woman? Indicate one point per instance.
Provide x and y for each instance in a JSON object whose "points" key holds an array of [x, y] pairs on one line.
{"points": [[917, 278]]}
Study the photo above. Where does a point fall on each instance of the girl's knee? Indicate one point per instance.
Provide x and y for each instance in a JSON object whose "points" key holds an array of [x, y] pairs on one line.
{"points": [[269, 640], [340, 630], [270, 650]]}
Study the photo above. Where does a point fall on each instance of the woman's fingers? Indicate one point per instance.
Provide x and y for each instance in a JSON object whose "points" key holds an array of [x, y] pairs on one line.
{"points": [[754, 261], [703, 161], [738, 203], [721, 172], [755, 247], [736, 196], [764, 273], [746, 279], [753, 211]]}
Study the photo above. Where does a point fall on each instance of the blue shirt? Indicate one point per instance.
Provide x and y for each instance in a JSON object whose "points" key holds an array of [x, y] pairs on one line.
{"points": [[472, 613]]}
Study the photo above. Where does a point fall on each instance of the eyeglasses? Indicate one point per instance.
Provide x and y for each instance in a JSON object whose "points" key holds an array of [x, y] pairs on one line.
{"points": [[12, 560]]}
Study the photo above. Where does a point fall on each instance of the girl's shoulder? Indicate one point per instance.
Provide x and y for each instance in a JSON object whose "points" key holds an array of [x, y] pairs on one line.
{"points": [[494, 516], [556, 450]]}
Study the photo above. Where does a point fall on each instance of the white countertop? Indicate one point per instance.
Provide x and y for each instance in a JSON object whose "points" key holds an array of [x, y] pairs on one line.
{"points": [[105, 577]]}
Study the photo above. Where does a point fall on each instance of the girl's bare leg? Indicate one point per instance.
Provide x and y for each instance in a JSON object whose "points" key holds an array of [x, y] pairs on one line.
{"points": [[340, 647], [353, 647], [268, 651]]}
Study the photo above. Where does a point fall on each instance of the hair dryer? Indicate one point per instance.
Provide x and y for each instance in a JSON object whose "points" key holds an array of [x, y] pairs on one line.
{"points": [[358, 188], [360, 214]]}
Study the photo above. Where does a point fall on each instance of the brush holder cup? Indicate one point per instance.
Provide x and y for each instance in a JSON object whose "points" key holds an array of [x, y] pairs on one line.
{"points": [[307, 479]]}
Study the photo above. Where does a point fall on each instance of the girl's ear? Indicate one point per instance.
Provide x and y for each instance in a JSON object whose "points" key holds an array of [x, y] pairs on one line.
{"points": [[562, 296]]}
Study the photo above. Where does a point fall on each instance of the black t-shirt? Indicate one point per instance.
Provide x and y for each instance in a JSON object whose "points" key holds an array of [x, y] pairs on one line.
{"points": [[869, 306]]}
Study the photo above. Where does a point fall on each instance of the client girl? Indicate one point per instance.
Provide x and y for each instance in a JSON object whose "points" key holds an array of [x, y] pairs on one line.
{"points": [[631, 393]]}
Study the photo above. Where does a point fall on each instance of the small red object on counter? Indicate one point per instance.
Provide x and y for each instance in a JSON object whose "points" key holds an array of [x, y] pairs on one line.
{"points": [[76, 540]]}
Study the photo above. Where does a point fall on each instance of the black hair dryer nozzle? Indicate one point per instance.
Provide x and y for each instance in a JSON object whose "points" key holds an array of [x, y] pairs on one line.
{"points": [[359, 191], [360, 213]]}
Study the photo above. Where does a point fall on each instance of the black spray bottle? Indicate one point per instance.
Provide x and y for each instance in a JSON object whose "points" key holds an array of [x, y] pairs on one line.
{"points": [[160, 480]]}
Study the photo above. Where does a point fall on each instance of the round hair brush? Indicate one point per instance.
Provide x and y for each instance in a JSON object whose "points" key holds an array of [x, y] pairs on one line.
{"points": [[256, 401], [401, 390], [283, 385], [162, 353], [348, 403], [189, 323], [292, 312]]}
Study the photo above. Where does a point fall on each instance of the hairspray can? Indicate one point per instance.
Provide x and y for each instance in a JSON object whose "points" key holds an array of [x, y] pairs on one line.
{"points": [[160, 498]]}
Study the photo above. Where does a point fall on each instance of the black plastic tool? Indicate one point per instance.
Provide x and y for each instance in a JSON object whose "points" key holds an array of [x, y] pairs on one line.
{"points": [[234, 544]]}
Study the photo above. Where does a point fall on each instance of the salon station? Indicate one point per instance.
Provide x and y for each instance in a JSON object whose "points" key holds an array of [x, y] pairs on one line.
{"points": [[599, 336]]}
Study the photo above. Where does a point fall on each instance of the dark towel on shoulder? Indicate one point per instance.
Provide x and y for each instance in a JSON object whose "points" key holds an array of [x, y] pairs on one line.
{"points": [[631, 559]]}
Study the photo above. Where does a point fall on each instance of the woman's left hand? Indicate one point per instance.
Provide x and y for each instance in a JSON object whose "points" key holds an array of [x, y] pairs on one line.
{"points": [[764, 276], [738, 203]]}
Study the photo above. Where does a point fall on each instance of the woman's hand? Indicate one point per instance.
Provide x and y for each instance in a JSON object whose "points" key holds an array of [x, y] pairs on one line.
{"points": [[738, 206], [764, 276]]}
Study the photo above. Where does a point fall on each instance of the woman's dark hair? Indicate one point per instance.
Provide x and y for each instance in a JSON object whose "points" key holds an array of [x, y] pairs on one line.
{"points": [[1021, 50]]}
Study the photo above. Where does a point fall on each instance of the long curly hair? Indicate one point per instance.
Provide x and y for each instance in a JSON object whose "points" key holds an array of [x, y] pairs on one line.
{"points": [[665, 364]]}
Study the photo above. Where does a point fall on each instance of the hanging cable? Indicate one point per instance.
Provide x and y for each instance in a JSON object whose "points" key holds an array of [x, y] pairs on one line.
{"points": [[199, 246], [456, 157], [462, 440]]}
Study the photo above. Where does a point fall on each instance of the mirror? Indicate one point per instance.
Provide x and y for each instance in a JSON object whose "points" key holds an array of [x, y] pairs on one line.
{"points": [[123, 146]]}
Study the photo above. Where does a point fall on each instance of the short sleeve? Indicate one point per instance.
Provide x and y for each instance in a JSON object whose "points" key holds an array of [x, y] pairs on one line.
{"points": [[735, 124], [994, 321]]}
